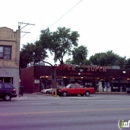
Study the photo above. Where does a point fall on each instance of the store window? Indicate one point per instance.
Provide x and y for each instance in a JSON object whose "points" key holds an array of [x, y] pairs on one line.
{"points": [[5, 52]]}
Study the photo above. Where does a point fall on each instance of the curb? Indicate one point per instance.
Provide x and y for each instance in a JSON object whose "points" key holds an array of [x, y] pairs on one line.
{"points": [[110, 93]]}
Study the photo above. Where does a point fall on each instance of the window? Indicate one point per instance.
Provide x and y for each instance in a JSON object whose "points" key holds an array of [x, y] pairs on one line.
{"points": [[68, 86], [5, 52], [72, 86], [1, 51], [6, 85]]}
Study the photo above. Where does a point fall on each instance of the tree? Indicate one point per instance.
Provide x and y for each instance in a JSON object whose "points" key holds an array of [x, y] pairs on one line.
{"points": [[32, 53], [46, 38], [26, 55], [107, 59], [87, 62], [68, 61], [40, 53], [59, 42], [79, 55], [127, 64]]}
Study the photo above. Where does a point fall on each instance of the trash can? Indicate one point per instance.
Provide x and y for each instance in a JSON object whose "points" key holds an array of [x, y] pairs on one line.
{"points": [[21, 90]]}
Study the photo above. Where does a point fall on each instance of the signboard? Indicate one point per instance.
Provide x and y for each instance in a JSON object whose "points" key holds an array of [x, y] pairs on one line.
{"points": [[86, 68]]}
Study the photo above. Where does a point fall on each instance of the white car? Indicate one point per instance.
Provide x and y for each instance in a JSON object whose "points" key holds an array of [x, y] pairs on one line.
{"points": [[47, 91]]}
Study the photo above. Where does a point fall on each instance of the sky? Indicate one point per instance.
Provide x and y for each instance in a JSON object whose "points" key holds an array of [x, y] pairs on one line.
{"points": [[103, 25]]}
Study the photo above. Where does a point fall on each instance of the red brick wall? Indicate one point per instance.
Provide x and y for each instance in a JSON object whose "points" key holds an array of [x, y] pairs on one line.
{"points": [[27, 79]]}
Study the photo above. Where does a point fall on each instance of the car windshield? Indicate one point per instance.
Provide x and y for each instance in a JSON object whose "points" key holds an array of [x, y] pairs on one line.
{"points": [[68, 86]]}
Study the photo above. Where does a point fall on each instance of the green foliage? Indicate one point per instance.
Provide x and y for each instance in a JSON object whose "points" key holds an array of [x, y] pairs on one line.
{"points": [[59, 42], [40, 53], [45, 38], [127, 64], [87, 62], [107, 59], [26, 55], [79, 55], [68, 61], [32, 53]]}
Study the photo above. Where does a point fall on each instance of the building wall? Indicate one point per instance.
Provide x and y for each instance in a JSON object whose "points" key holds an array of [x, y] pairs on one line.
{"points": [[27, 79], [43, 74], [10, 67], [11, 72]]}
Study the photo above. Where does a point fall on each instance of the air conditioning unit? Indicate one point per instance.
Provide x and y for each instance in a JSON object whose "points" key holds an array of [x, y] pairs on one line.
{"points": [[7, 57]]}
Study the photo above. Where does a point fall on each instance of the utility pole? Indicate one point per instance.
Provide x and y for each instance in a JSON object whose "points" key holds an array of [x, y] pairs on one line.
{"points": [[25, 24], [53, 76]]}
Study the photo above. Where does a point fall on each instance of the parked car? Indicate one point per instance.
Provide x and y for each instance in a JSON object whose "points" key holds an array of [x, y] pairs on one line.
{"points": [[47, 91], [75, 89], [7, 91]]}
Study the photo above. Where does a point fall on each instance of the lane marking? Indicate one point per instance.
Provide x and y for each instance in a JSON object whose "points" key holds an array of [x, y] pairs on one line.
{"points": [[65, 111]]}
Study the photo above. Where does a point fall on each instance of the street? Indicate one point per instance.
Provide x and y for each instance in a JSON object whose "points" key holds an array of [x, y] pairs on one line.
{"points": [[40, 112]]}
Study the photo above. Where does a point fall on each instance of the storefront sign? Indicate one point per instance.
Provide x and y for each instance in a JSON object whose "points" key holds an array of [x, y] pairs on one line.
{"points": [[65, 67], [96, 68], [87, 68]]}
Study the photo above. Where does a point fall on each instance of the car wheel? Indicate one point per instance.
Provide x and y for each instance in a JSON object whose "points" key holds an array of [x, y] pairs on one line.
{"points": [[87, 93], [64, 94], [47, 92], [7, 97]]}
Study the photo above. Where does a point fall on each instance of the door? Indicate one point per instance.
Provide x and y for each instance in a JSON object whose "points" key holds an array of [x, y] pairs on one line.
{"points": [[8, 87], [79, 89], [72, 90]]}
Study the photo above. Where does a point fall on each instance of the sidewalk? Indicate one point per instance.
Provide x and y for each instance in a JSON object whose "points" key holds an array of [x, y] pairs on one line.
{"points": [[39, 93], [32, 96], [28, 94], [110, 93]]}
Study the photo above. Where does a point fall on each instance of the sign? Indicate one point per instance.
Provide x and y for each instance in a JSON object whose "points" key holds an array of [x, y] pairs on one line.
{"points": [[64, 67], [96, 68], [85, 69], [122, 124]]}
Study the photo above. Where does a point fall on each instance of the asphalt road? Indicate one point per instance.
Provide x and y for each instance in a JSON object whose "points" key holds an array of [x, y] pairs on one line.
{"points": [[39, 112]]}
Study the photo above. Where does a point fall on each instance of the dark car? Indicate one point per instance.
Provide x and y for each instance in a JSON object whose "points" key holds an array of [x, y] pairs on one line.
{"points": [[7, 91], [128, 91]]}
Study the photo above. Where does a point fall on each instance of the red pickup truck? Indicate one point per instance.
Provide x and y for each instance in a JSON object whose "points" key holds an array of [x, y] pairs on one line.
{"points": [[75, 89]]}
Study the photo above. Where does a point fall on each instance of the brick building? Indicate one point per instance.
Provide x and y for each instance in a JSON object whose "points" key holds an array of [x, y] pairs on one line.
{"points": [[37, 77]]}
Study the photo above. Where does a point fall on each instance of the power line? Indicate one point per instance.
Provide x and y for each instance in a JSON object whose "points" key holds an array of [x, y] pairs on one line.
{"points": [[63, 15]]}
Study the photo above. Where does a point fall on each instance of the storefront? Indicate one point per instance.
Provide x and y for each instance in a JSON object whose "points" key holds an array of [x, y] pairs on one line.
{"points": [[102, 78]]}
